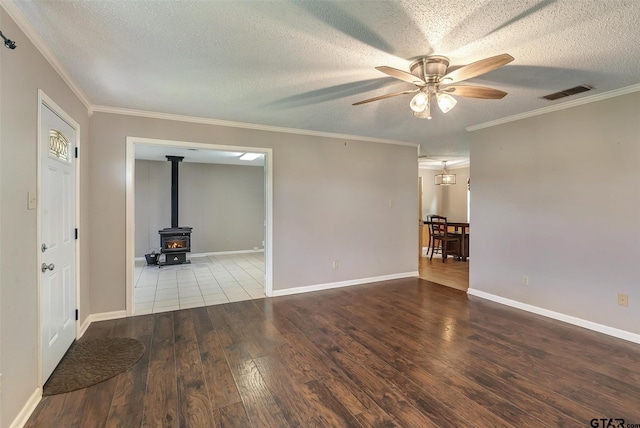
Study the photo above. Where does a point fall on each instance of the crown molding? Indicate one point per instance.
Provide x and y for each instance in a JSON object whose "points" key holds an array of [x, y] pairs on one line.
{"points": [[244, 125], [549, 109], [16, 14]]}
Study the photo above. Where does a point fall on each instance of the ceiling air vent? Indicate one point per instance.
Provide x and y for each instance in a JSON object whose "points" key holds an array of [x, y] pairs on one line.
{"points": [[568, 92]]}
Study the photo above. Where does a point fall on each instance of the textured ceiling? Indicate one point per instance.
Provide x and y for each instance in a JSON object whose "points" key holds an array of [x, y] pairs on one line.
{"points": [[301, 64]]}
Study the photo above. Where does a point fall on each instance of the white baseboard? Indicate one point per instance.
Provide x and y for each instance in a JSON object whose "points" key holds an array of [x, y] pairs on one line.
{"points": [[215, 253], [102, 316], [27, 410], [600, 328], [83, 327], [330, 285], [222, 253]]}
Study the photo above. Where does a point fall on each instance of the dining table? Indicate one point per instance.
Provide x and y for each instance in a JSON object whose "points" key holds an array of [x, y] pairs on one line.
{"points": [[461, 227]]}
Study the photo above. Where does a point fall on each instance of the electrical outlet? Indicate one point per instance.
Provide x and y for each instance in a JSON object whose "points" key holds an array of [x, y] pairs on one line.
{"points": [[623, 299], [525, 280], [335, 264]]}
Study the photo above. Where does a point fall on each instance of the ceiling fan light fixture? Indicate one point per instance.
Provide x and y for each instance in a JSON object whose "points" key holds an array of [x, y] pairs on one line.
{"points": [[426, 113], [445, 101], [419, 102], [432, 77]]}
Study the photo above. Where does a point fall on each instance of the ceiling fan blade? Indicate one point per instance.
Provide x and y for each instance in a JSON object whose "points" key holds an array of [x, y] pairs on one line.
{"points": [[475, 92], [402, 75], [477, 68], [382, 97]]}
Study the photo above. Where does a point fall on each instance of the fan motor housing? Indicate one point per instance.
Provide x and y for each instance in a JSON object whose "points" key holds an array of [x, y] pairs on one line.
{"points": [[430, 68]]}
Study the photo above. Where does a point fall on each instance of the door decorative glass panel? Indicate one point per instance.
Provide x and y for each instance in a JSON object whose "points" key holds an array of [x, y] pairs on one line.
{"points": [[58, 145]]}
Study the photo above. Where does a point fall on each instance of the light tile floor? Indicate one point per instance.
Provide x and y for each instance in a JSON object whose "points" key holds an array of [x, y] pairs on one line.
{"points": [[208, 280]]}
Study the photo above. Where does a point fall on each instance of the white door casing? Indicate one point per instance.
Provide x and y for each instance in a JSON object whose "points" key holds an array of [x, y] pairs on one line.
{"points": [[130, 206], [57, 270]]}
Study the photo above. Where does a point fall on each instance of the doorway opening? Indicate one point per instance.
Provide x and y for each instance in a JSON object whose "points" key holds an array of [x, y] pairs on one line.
{"points": [[449, 201], [219, 260]]}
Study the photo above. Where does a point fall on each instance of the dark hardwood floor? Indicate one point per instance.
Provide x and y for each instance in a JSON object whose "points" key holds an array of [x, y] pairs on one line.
{"points": [[396, 353]]}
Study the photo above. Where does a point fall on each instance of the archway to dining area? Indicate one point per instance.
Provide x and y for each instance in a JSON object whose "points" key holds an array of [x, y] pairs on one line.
{"points": [[452, 202]]}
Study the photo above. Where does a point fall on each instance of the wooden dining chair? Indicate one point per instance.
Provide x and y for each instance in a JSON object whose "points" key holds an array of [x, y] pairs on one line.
{"points": [[428, 223], [442, 238]]}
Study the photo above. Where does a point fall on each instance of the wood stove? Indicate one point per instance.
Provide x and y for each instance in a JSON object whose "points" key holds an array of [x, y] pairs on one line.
{"points": [[175, 241]]}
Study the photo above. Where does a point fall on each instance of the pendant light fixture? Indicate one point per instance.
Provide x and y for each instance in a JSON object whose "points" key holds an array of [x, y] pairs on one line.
{"points": [[444, 178]]}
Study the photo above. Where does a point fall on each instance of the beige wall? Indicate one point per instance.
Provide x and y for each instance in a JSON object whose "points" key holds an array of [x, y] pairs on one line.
{"points": [[556, 197], [223, 203], [330, 202], [449, 201], [24, 71]]}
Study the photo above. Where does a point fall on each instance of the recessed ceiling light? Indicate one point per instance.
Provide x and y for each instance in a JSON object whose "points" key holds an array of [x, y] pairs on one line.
{"points": [[250, 156]]}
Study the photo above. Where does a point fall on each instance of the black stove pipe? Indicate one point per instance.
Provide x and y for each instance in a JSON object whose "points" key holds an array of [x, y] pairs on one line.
{"points": [[175, 160]]}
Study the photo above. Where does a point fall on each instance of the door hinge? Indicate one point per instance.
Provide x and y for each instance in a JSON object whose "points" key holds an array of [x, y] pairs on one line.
{"points": [[76, 152], [76, 232], [76, 315]]}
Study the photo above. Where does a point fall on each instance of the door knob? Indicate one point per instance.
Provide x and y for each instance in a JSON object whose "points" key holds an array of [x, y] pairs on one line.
{"points": [[44, 247], [45, 267]]}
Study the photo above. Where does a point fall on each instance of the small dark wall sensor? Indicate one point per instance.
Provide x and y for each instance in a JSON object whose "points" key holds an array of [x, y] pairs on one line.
{"points": [[7, 42]]}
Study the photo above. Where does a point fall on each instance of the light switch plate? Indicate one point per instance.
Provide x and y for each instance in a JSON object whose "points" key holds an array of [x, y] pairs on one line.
{"points": [[32, 200]]}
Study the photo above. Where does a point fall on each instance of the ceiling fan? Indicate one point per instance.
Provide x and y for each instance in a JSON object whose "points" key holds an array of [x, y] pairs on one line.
{"points": [[430, 76]]}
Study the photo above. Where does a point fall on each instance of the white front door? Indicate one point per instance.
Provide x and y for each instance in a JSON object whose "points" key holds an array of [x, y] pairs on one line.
{"points": [[58, 246]]}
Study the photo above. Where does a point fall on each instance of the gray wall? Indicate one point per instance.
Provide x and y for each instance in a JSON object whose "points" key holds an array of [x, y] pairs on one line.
{"points": [[557, 198], [330, 201], [223, 203], [449, 201], [23, 71]]}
